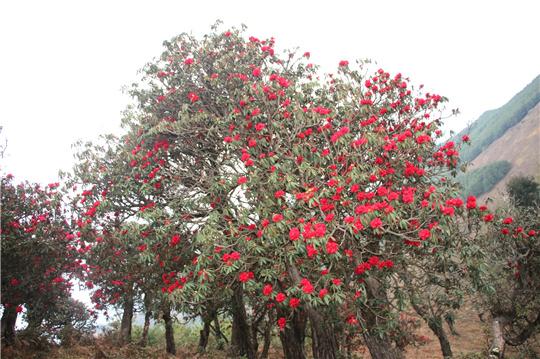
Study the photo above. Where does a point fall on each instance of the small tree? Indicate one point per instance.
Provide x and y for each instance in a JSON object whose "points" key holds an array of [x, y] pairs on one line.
{"points": [[523, 192], [511, 284], [39, 254]]}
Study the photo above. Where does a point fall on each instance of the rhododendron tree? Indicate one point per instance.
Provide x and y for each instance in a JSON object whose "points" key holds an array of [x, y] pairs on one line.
{"points": [[126, 240], [262, 190], [510, 285], [299, 176], [39, 254]]}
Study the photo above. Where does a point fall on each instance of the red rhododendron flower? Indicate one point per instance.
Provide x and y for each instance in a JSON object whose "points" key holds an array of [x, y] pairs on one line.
{"points": [[508, 220], [375, 223], [331, 247], [471, 202], [267, 290], [19, 309], [246, 276], [277, 218], [256, 72], [351, 319], [242, 180], [488, 217], [142, 247], [282, 322], [193, 97], [280, 297], [311, 251], [373, 260], [174, 240], [294, 302], [323, 292], [424, 234], [188, 61], [343, 63], [279, 194], [307, 287], [294, 234]]}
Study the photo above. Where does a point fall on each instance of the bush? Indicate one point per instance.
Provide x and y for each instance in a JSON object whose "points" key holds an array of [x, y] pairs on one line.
{"points": [[523, 191]]}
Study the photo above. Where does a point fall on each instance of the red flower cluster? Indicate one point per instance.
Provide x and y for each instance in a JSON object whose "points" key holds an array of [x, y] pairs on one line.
{"points": [[246, 276], [306, 285], [373, 261]]}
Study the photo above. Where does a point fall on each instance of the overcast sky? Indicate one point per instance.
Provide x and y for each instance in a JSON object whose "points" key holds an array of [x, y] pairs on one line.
{"points": [[63, 63]]}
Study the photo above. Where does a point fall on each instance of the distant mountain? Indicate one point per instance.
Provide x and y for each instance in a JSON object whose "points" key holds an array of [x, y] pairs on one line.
{"points": [[493, 124], [519, 146], [505, 143]]}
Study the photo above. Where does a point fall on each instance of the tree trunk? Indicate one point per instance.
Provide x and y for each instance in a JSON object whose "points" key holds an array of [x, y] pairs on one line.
{"points": [[498, 344], [267, 335], [144, 336], [435, 324], [220, 337], [147, 317], [127, 318], [323, 337], [169, 331], [204, 333], [293, 336], [9, 318], [242, 341], [381, 348], [34, 319]]}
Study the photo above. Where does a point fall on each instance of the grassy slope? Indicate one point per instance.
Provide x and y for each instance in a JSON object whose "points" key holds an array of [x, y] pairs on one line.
{"points": [[492, 124]]}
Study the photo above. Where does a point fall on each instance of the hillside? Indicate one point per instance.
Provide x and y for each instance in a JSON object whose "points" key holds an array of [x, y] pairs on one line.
{"points": [[493, 124], [520, 146]]}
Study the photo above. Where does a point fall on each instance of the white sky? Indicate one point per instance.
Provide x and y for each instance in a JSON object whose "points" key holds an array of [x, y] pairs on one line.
{"points": [[63, 63]]}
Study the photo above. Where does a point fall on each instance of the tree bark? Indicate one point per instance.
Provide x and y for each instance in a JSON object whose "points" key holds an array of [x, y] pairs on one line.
{"points": [[219, 334], [34, 319], [9, 318], [169, 330], [143, 342], [267, 335], [381, 348], [144, 336], [498, 344], [435, 324], [204, 333], [293, 336], [127, 318], [242, 341], [323, 337]]}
